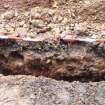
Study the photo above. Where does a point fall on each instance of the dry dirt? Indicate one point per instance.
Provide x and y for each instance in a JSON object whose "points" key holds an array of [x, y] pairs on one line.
{"points": [[52, 18], [28, 90], [47, 21]]}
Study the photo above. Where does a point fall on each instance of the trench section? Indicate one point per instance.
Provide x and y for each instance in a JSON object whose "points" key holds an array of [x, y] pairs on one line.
{"points": [[55, 59]]}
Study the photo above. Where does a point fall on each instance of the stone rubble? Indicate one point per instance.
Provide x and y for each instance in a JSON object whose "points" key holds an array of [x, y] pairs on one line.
{"points": [[66, 16]]}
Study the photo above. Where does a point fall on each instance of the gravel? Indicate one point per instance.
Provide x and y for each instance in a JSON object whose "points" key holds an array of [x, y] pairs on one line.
{"points": [[28, 90]]}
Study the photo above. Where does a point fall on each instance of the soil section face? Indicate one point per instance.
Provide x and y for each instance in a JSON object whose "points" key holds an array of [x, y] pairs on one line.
{"points": [[59, 60]]}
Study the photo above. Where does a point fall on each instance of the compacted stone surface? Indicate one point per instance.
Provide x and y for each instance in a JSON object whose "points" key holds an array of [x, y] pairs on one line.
{"points": [[29, 90]]}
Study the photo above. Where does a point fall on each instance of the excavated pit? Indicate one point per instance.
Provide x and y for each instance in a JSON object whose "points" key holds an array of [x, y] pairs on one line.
{"points": [[55, 59]]}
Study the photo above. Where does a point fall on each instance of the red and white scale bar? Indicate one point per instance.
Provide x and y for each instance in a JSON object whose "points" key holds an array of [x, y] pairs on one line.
{"points": [[66, 39], [17, 38], [69, 39]]}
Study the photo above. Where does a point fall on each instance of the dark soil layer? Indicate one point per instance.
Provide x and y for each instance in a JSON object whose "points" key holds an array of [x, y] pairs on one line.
{"points": [[59, 60]]}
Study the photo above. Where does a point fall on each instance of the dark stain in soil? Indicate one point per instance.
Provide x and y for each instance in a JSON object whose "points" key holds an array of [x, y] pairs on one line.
{"points": [[55, 59]]}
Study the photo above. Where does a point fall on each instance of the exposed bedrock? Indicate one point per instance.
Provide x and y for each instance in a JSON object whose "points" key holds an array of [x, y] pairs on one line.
{"points": [[62, 61]]}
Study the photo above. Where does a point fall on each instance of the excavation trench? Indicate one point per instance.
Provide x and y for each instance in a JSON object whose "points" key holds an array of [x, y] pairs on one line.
{"points": [[55, 59]]}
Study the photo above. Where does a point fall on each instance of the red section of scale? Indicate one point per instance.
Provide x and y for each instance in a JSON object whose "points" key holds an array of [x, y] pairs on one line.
{"points": [[14, 37], [100, 41], [72, 40]]}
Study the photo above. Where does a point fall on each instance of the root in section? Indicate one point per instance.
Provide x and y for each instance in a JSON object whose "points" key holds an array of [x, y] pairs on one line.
{"points": [[62, 61]]}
